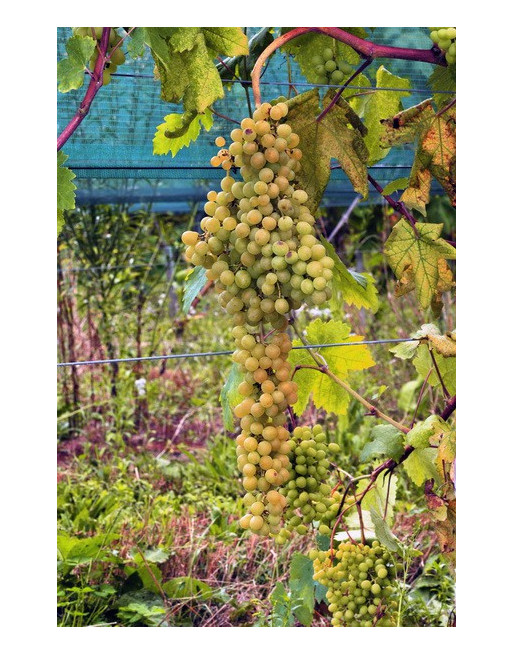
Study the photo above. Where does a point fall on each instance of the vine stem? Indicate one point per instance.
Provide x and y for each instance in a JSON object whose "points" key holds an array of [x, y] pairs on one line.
{"points": [[95, 85], [395, 204], [364, 48]]}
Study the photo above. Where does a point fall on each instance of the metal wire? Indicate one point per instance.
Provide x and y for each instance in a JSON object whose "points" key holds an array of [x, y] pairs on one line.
{"points": [[224, 352]]}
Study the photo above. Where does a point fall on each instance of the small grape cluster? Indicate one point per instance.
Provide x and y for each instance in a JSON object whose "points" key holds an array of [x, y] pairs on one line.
{"points": [[115, 59], [445, 39], [361, 584], [259, 246], [330, 70], [308, 496]]}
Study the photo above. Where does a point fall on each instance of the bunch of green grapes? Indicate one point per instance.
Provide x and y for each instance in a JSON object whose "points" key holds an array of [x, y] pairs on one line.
{"points": [[330, 70], [309, 497], [361, 584], [258, 245], [114, 60], [445, 39]]}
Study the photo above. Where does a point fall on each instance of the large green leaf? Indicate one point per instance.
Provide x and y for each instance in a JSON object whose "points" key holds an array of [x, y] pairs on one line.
{"points": [[420, 465], [386, 441], [339, 135], [70, 71], [446, 365]]}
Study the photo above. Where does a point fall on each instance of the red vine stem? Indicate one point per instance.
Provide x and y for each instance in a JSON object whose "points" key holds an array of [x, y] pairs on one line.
{"points": [[395, 204], [364, 48], [94, 86]]}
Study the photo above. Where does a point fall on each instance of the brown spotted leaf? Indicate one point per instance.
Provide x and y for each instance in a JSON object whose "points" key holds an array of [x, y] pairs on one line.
{"points": [[435, 156]]}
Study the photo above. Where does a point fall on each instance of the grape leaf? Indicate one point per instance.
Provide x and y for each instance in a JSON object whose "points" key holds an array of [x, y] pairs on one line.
{"points": [[415, 260], [435, 136], [382, 494], [381, 105], [420, 465], [339, 135], [184, 60], [446, 365], [341, 360], [443, 511], [135, 45], [194, 282], [65, 189], [70, 71], [385, 440], [443, 78], [356, 289], [229, 396], [424, 432], [302, 588], [383, 532], [396, 185], [178, 130], [226, 40]]}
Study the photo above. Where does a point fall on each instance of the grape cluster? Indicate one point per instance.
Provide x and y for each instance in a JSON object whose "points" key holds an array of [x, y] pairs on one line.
{"points": [[330, 70], [360, 580], [259, 246], [308, 496], [115, 59], [445, 39]]}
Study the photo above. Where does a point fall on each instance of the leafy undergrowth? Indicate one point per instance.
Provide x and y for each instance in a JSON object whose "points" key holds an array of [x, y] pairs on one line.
{"points": [[149, 540]]}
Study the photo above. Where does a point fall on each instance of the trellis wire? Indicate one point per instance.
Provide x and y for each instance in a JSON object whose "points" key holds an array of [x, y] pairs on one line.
{"points": [[287, 83], [224, 352]]}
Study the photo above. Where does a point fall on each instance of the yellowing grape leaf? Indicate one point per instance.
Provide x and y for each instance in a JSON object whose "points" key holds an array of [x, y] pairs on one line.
{"points": [[435, 156], [70, 71], [339, 135], [443, 511], [341, 360], [381, 105], [353, 288], [428, 432], [415, 260], [178, 130], [420, 465], [184, 62], [446, 365]]}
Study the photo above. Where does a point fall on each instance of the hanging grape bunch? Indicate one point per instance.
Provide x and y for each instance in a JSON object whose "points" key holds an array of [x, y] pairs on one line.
{"points": [[445, 39], [258, 245], [308, 495], [329, 68], [361, 584], [115, 59]]}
